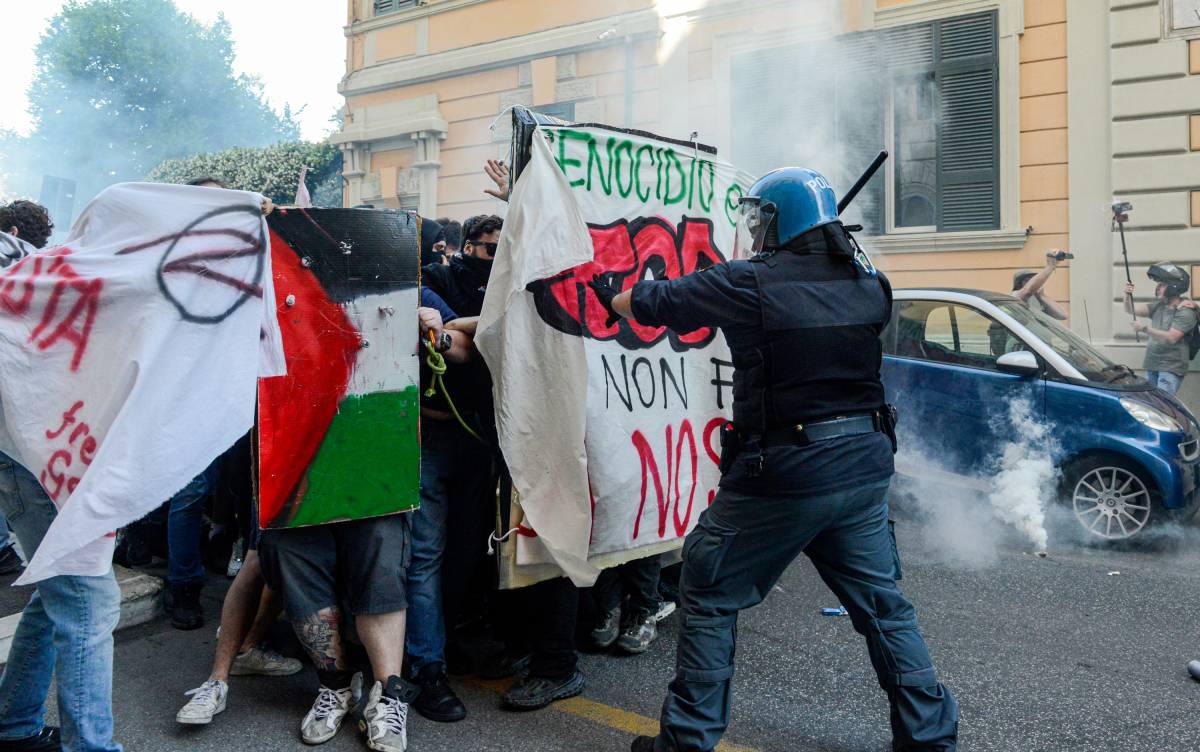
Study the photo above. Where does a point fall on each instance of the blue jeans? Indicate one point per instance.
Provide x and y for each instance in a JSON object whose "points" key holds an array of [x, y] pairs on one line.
{"points": [[739, 549], [453, 473], [65, 630], [185, 525], [1165, 381], [6, 536]]}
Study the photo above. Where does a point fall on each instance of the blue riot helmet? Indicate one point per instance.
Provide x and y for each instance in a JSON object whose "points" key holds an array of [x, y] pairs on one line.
{"points": [[782, 205]]}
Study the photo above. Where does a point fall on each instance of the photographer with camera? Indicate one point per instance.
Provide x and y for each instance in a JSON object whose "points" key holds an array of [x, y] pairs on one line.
{"points": [[1172, 320], [1027, 286]]}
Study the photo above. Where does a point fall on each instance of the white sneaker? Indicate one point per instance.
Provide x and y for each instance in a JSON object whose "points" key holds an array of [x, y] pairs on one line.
{"points": [[207, 700], [384, 722], [325, 718], [665, 609], [263, 661]]}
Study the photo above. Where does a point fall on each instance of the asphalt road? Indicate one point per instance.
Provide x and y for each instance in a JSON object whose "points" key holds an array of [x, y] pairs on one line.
{"points": [[1045, 655]]}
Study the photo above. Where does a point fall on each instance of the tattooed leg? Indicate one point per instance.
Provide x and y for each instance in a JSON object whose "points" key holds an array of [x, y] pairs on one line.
{"points": [[320, 634]]}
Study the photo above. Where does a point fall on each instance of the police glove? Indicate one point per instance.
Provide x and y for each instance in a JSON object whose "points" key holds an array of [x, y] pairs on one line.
{"points": [[605, 292]]}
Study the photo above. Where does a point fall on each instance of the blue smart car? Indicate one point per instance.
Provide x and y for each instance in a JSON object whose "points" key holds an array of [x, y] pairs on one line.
{"points": [[955, 360]]}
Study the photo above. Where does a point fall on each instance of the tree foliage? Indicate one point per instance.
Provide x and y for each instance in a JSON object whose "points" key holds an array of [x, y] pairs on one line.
{"points": [[121, 85], [272, 171]]}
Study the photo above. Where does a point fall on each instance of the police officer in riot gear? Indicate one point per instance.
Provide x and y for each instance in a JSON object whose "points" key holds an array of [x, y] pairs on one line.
{"points": [[805, 464]]}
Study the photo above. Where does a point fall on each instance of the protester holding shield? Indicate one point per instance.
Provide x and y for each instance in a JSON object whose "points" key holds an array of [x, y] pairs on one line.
{"points": [[806, 463]]}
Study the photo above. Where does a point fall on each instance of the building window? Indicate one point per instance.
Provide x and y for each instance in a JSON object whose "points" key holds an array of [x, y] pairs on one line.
{"points": [[1181, 18], [928, 93], [914, 149], [391, 6]]}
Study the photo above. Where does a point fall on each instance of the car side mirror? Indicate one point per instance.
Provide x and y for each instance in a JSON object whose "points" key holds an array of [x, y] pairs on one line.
{"points": [[1019, 363]]}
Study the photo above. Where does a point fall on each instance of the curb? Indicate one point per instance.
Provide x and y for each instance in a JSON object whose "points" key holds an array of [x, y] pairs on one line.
{"points": [[141, 601]]}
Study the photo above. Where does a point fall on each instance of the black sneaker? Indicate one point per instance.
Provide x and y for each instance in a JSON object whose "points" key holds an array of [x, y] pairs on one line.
{"points": [[437, 700], [503, 665], [638, 633], [605, 632], [9, 561], [535, 692], [183, 605], [46, 740], [643, 744]]}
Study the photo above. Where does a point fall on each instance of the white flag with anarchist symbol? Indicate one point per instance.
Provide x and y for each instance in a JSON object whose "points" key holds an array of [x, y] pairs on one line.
{"points": [[129, 357]]}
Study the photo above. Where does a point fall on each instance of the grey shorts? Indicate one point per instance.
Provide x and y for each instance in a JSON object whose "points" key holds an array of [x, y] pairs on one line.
{"points": [[360, 565]]}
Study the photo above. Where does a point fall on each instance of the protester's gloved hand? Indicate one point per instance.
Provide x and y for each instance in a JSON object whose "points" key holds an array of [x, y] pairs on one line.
{"points": [[605, 293]]}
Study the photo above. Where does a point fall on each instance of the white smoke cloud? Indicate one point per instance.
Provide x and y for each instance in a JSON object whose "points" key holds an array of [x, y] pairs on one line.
{"points": [[1027, 476], [966, 518]]}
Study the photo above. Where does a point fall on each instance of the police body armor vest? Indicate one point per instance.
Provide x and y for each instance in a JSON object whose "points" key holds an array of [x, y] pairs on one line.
{"points": [[821, 354]]}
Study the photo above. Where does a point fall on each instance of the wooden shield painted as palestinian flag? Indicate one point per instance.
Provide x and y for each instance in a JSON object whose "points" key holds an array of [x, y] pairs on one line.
{"points": [[338, 435]]}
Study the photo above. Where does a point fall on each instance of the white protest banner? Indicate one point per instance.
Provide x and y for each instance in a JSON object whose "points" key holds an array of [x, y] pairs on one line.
{"points": [[129, 357], [539, 373], [653, 399]]}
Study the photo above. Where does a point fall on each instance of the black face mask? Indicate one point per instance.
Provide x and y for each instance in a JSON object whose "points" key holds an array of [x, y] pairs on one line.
{"points": [[480, 269]]}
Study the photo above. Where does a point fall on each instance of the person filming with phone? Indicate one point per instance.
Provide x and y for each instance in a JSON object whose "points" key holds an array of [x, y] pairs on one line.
{"points": [[1028, 286]]}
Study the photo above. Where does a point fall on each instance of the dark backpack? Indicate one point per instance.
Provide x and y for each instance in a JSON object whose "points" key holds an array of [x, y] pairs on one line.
{"points": [[1193, 339]]}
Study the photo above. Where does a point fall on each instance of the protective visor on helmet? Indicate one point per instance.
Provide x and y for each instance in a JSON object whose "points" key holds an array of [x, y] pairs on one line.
{"points": [[1165, 271], [754, 219]]}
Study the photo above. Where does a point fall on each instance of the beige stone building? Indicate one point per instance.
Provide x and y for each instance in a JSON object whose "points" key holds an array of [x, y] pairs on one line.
{"points": [[1012, 123]]}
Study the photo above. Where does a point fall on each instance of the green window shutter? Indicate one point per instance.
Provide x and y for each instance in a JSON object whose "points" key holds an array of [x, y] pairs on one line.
{"points": [[779, 121], [859, 112], [775, 121], [966, 69], [389, 6]]}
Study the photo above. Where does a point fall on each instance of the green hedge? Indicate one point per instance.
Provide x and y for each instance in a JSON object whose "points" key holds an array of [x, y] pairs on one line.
{"points": [[271, 171]]}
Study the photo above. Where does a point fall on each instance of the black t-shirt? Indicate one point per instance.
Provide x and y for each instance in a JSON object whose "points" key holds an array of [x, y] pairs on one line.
{"points": [[469, 384]]}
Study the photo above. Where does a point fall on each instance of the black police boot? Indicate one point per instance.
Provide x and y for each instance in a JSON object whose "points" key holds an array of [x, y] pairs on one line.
{"points": [[437, 700], [643, 744], [533, 692], [46, 740], [9, 561], [183, 605]]}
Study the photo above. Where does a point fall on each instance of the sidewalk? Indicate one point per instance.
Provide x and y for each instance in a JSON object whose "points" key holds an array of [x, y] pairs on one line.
{"points": [[141, 601]]}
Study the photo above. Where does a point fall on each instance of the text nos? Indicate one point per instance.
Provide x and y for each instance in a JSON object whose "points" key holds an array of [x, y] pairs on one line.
{"points": [[663, 472], [628, 252]]}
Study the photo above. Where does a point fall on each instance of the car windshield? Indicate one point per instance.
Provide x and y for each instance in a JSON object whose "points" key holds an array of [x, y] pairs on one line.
{"points": [[1087, 360]]}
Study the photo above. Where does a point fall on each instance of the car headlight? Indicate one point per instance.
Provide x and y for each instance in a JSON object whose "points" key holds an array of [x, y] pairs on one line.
{"points": [[1149, 417]]}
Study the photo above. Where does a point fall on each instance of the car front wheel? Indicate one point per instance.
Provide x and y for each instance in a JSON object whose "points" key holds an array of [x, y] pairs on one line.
{"points": [[1111, 497]]}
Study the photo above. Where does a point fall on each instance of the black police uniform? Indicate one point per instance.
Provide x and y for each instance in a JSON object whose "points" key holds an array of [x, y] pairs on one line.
{"points": [[807, 470]]}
